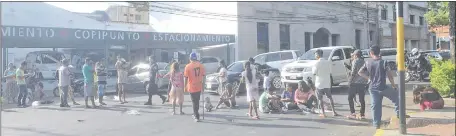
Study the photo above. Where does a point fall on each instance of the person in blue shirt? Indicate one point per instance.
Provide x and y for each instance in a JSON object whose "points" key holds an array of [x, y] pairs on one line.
{"points": [[288, 98], [87, 72]]}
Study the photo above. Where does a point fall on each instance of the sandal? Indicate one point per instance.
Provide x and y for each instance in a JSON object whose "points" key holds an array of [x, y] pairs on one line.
{"points": [[352, 116], [255, 117]]}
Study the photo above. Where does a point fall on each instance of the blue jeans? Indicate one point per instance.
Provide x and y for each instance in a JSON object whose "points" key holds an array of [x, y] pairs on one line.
{"points": [[101, 89], [21, 99], [376, 102]]}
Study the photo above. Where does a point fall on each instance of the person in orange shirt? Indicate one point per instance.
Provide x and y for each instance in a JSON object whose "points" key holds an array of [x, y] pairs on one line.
{"points": [[193, 80]]}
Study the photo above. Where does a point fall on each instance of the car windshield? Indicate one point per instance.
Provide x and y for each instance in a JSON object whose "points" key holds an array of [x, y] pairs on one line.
{"points": [[310, 55], [236, 66]]}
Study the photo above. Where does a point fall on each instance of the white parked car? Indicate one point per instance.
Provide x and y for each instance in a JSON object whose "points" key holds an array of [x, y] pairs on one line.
{"points": [[210, 63], [302, 68], [277, 59]]}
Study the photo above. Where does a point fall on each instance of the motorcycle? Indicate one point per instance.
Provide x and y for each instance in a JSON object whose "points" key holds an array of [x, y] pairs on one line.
{"points": [[76, 87], [418, 68]]}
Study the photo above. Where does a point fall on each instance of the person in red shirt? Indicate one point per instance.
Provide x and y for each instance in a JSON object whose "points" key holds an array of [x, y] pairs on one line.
{"points": [[194, 73]]}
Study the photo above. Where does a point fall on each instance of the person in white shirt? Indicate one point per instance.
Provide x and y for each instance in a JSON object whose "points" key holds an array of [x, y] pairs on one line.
{"points": [[223, 77], [251, 84], [321, 71]]}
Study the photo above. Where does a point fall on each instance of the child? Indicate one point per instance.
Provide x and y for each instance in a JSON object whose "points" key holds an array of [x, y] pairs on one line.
{"points": [[101, 76], [428, 98], [270, 102], [288, 99]]}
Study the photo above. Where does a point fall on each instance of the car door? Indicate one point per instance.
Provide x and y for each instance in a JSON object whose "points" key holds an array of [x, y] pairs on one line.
{"points": [[338, 70], [347, 60], [273, 59]]}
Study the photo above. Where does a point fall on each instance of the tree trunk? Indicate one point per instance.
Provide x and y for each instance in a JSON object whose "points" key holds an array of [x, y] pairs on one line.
{"points": [[452, 6]]}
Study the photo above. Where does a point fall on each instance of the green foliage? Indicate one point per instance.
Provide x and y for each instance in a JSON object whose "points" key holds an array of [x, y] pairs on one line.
{"points": [[442, 77], [438, 13]]}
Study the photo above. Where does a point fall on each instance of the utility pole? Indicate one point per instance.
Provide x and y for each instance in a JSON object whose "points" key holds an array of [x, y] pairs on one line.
{"points": [[377, 22], [401, 65], [367, 26], [452, 6]]}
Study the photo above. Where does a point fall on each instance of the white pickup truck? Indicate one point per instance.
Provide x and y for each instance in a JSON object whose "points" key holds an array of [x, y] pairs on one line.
{"points": [[302, 68], [277, 60], [388, 54]]}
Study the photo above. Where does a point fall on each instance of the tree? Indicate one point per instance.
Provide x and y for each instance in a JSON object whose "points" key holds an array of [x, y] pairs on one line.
{"points": [[438, 15]]}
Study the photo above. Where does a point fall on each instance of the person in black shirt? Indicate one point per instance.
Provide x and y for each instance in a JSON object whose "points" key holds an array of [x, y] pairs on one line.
{"points": [[376, 71], [153, 87]]}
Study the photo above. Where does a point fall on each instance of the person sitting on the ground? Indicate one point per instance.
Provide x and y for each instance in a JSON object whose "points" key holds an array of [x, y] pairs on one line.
{"points": [[288, 99], [305, 95], [269, 102], [228, 97], [428, 98]]}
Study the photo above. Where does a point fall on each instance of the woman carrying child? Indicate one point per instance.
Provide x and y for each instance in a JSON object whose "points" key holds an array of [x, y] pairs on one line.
{"points": [[428, 98], [176, 94]]}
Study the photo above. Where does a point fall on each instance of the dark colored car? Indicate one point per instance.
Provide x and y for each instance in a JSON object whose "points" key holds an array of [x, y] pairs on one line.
{"points": [[234, 76]]}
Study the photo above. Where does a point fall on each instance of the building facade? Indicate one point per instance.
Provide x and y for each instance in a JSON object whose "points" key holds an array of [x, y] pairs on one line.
{"points": [[128, 14], [274, 26], [416, 31]]}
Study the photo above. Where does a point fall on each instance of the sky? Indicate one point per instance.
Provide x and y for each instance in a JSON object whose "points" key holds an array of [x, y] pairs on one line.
{"points": [[172, 23]]}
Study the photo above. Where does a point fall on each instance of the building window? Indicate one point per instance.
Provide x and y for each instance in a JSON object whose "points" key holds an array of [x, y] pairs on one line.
{"points": [[412, 19], [358, 39], [394, 13], [307, 41], [421, 21], [137, 17], [384, 14], [335, 39], [371, 36], [262, 37], [284, 36]]}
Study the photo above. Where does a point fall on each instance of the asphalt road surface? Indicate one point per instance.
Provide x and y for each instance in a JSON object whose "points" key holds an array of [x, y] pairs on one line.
{"points": [[116, 120]]}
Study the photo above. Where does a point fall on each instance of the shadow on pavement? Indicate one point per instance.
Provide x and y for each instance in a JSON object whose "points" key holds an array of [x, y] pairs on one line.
{"points": [[332, 121], [258, 125], [36, 131]]}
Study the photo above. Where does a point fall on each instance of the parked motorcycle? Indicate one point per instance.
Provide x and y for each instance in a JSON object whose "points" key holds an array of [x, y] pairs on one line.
{"points": [[418, 67], [76, 87]]}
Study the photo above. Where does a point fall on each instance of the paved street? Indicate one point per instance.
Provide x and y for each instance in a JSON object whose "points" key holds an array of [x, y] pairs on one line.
{"points": [[113, 120]]}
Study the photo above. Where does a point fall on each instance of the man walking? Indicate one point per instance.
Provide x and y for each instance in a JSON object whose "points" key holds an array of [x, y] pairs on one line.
{"points": [[193, 80], [153, 87], [22, 85], [376, 71], [357, 85], [87, 71], [321, 71], [64, 82]]}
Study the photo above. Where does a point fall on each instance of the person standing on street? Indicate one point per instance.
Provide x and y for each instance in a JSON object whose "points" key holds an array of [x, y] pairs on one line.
{"points": [[251, 84], [10, 75], [152, 89], [321, 71], [194, 73], [176, 95], [22, 85], [87, 72], [101, 81], [64, 82], [376, 71], [222, 76], [357, 85], [122, 75]]}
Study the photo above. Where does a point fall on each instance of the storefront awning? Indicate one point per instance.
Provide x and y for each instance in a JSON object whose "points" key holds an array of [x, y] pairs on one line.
{"points": [[48, 37]]}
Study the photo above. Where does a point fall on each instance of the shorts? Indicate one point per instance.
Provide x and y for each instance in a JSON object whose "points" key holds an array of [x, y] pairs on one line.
{"points": [[88, 89], [324, 91]]}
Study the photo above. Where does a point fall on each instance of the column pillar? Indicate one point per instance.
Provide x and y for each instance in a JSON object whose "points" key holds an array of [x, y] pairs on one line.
{"points": [[311, 40], [329, 40]]}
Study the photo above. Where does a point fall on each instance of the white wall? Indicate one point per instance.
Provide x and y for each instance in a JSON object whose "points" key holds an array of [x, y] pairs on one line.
{"points": [[247, 28]]}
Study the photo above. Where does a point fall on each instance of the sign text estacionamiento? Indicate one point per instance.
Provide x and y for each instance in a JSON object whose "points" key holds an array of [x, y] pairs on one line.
{"points": [[85, 34]]}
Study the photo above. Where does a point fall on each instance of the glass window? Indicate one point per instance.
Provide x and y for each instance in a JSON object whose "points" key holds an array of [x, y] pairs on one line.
{"points": [[388, 52], [261, 59], [338, 53], [310, 55], [421, 21], [208, 60], [348, 52], [383, 14], [412, 19], [286, 55], [272, 57], [236, 66]]}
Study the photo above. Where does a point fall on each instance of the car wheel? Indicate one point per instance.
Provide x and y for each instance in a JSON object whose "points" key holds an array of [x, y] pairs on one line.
{"points": [[276, 82], [56, 92]]}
